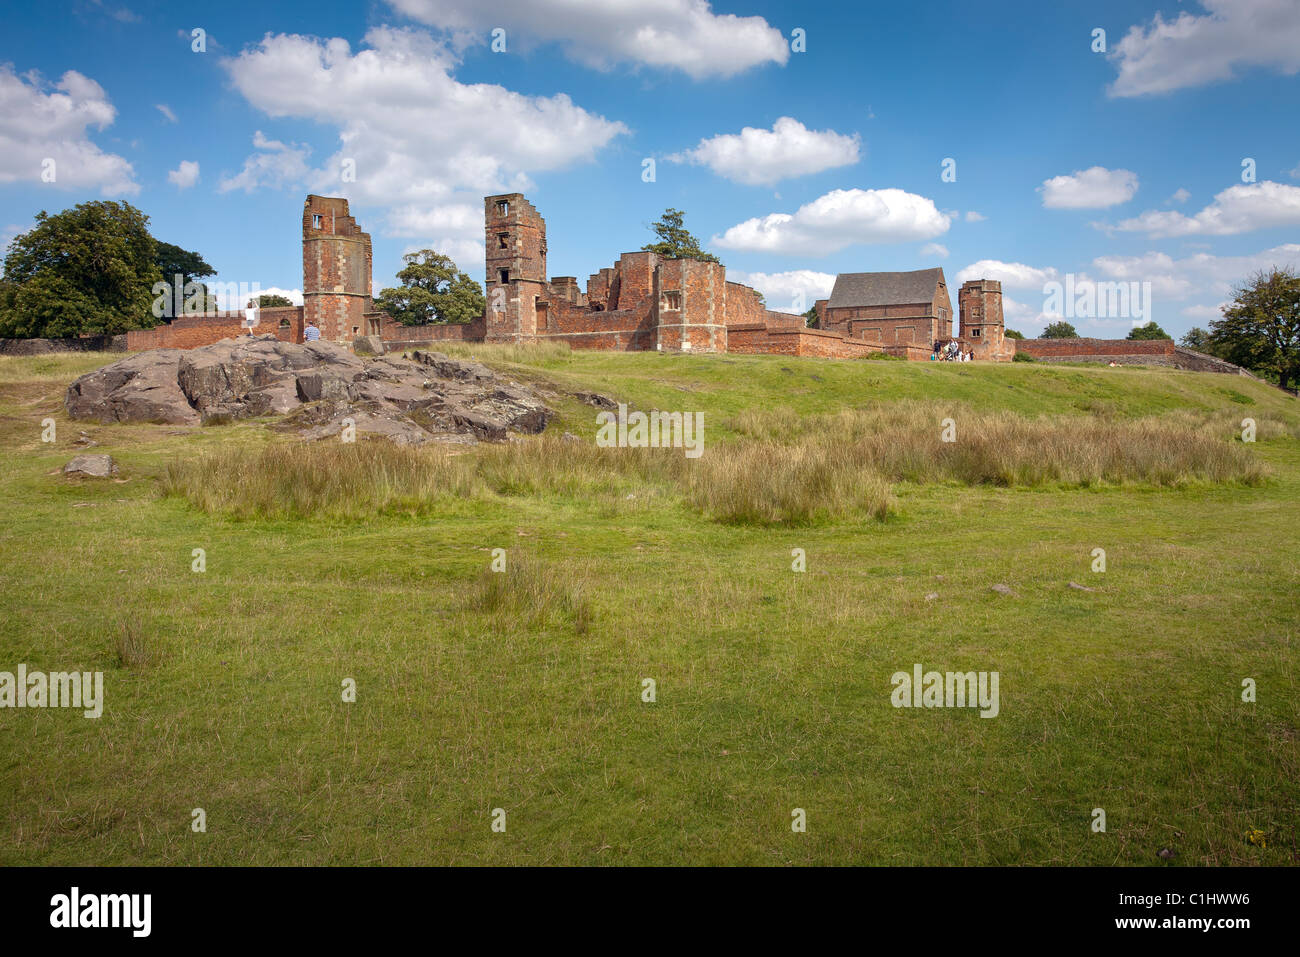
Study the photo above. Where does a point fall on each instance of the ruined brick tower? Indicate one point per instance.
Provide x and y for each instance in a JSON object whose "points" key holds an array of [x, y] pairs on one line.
{"points": [[980, 326], [336, 269], [691, 300], [515, 243]]}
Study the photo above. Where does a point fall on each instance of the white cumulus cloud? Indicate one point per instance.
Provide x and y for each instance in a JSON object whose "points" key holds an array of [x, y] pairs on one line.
{"points": [[759, 157], [683, 35], [840, 218], [793, 291], [935, 249], [40, 123], [1092, 188], [1238, 209], [1193, 50], [185, 175], [1011, 275], [411, 136]]}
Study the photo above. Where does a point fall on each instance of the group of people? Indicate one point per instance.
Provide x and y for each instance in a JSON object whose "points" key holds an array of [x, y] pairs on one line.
{"points": [[951, 352]]}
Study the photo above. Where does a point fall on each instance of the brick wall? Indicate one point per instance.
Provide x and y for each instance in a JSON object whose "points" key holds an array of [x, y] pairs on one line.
{"points": [[743, 305], [190, 332], [785, 340], [396, 335], [1094, 348]]}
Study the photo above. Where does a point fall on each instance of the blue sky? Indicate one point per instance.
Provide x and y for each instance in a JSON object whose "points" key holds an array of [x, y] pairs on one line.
{"points": [[792, 166]]}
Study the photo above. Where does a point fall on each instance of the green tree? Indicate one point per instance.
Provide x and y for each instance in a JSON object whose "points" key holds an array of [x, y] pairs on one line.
{"points": [[1196, 338], [811, 318], [1058, 330], [1012, 334], [269, 300], [180, 267], [432, 290], [87, 270], [675, 242], [1260, 328], [1149, 331]]}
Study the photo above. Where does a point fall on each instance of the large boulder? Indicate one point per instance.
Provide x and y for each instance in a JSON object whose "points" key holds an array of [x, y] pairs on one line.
{"points": [[318, 386], [139, 388]]}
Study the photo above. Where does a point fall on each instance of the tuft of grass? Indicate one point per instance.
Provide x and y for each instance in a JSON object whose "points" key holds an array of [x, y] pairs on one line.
{"points": [[135, 651], [533, 595]]}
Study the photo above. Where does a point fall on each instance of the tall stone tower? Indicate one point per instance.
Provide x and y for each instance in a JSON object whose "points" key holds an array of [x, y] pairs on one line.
{"points": [[980, 327], [336, 269], [515, 245]]}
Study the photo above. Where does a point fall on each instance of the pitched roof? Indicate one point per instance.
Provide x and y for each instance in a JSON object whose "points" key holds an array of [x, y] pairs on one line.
{"points": [[884, 288]]}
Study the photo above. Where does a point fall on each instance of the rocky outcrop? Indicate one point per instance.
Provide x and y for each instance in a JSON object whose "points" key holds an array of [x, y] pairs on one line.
{"points": [[320, 388]]}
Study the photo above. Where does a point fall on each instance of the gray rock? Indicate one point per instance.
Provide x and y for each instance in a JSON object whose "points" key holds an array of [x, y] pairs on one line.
{"points": [[1003, 589], [93, 466], [368, 346], [596, 399], [316, 386], [139, 388], [1078, 587]]}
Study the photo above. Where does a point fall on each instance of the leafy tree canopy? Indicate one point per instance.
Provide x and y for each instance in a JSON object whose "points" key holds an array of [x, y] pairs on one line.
{"points": [[675, 242], [87, 270], [174, 261], [1148, 331], [1012, 334], [432, 290], [270, 299], [1196, 338], [1260, 328], [1058, 330], [811, 318]]}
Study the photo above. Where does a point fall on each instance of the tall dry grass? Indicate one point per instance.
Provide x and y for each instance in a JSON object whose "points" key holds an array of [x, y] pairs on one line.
{"points": [[904, 443], [782, 469], [319, 479]]}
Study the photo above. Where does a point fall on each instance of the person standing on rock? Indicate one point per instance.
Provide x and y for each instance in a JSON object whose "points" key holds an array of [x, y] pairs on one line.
{"points": [[310, 333]]}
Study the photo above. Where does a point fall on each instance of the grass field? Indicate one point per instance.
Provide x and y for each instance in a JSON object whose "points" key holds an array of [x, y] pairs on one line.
{"points": [[523, 690]]}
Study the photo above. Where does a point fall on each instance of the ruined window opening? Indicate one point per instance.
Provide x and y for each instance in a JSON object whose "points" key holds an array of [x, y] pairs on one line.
{"points": [[284, 323], [503, 240], [503, 207], [315, 221], [505, 276], [672, 301], [974, 333]]}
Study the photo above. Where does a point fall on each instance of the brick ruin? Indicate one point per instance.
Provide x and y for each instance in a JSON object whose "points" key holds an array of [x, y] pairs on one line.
{"points": [[644, 302]]}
